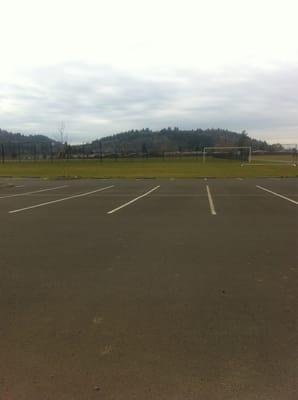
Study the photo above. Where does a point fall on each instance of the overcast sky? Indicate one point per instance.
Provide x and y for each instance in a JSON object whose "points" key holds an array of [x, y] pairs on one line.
{"points": [[104, 66]]}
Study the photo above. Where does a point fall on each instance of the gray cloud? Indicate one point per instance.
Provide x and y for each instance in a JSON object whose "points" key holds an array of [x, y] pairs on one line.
{"points": [[96, 100]]}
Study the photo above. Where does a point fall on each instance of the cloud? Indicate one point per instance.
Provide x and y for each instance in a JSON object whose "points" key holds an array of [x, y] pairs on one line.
{"points": [[96, 100]]}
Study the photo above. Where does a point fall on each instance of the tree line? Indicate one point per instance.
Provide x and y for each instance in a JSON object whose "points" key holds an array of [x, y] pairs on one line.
{"points": [[150, 142], [144, 142]]}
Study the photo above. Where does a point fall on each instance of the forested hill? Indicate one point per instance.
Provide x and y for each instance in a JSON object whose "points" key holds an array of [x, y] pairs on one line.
{"points": [[18, 138], [174, 139], [150, 142]]}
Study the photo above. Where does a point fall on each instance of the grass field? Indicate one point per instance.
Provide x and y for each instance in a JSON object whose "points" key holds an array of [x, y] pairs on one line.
{"points": [[145, 168]]}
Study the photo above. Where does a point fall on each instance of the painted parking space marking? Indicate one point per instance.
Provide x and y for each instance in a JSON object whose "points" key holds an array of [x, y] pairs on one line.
{"points": [[60, 200], [133, 200], [32, 192], [211, 203], [278, 195]]}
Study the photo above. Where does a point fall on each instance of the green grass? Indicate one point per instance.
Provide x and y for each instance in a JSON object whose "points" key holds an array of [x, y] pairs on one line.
{"points": [[146, 168]]}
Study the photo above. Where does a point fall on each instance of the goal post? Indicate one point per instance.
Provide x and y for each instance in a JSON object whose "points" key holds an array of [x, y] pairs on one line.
{"points": [[241, 153], [288, 153]]}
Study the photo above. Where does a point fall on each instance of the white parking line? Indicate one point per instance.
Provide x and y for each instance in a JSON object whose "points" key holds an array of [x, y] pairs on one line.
{"points": [[133, 200], [277, 194], [59, 200], [35, 191], [211, 204]]}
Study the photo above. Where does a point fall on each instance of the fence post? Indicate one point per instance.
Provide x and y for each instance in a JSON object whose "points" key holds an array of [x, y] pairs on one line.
{"points": [[2, 153], [100, 151]]}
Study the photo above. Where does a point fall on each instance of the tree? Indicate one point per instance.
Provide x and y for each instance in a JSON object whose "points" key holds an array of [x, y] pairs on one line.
{"points": [[244, 140]]}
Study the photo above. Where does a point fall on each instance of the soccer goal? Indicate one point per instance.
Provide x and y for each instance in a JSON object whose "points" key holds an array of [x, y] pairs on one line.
{"points": [[240, 153], [284, 154]]}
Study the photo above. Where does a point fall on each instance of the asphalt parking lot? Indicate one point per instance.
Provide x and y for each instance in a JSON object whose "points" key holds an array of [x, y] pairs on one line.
{"points": [[149, 289]]}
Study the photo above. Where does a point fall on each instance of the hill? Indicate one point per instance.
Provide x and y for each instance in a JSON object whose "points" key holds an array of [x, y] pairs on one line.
{"points": [[133, 142], [17, 138], [174, 140]]}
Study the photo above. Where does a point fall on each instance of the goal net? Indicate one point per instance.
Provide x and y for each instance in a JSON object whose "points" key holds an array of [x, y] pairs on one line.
{"points": [[240, 153]]}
